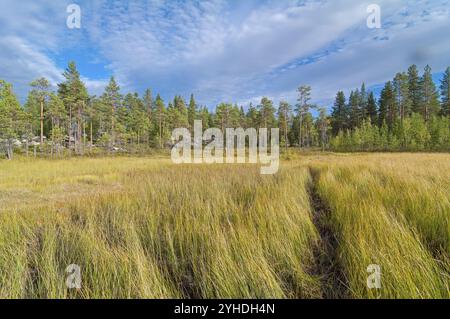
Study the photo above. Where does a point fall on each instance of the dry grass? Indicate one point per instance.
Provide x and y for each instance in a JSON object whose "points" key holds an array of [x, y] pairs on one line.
{"points": [[145, 228]]}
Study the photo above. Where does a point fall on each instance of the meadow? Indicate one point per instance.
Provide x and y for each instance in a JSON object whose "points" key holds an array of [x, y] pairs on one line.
{"points": [[142, 227]]}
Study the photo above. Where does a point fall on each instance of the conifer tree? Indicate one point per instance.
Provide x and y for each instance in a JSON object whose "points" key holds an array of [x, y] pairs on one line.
{"points": [[414, 88], [302, 108], [355, 111], [192, 112], [160, 118], [401, 89], [57, 114], [252, 117], [388, 110], [74, 95], [284, 118], [113, 101], [429, 95], [12, 118], [339, 114], [363, 100], [41, 87], [148, 105], [267, 113], [445, 93], [372, 108]]}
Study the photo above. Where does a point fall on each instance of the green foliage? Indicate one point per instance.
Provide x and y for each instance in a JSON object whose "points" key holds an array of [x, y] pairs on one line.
{"points": [[411, 134], [407, 116], [12, 118]]}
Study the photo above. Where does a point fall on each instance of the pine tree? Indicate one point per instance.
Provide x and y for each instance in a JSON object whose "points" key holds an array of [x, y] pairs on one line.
{"points": [[160, 117], [252, 117], [401, 89], [192, 112], [148, 105], [181, 110], [205, 117], [429, 94], [388, 109], [91, 117], [363, 100], [339, 114], [322, 124], [242, 118], [445, 93], [372, 109], [74, 95], [41, 87], [302, 108], [57, 114], [33, 109], [113, 101], [223, 116], [12, 118], [355, 111], [267, 113], [284, 118], [414, 88], [137, 121]]}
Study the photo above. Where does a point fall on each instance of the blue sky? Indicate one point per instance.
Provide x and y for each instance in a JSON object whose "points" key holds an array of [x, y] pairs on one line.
{"points": [[231, 51]]}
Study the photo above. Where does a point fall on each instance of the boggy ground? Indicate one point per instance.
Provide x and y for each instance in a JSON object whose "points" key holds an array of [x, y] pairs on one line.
{"points": [[146, 228]]}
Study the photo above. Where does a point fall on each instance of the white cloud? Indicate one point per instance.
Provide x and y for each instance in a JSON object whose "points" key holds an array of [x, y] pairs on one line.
{"points": [[20, 63], [32, 32], [233, 51]]}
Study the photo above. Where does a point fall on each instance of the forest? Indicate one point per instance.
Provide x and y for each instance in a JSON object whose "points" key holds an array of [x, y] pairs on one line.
{"points": [[410, 114]]}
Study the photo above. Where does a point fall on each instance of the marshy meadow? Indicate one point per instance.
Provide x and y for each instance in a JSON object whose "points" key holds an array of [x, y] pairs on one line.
{"points": [[142, 227]]}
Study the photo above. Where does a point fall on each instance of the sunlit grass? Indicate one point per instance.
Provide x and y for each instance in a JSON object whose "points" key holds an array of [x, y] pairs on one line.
{"points": [[146, 228]]}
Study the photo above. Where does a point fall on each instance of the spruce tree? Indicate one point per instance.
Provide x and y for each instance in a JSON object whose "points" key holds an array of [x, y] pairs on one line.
{"points": [[267, 113], [113, 101], [372, 108], [429, 94], [363, 96], [12, 118], [192, 112], [354, 108], [414, 88], [445, 93], [149, 105], [302, 108], [401, 89], [388, 109], [160, 118], [252, 117], [338, 115], [41, 86], [284, 117], [74, 95]]}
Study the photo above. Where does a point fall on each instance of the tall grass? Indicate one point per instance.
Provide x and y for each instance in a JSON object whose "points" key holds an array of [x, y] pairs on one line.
{"points": [[145, 228], [170, 232], [370, 230]]}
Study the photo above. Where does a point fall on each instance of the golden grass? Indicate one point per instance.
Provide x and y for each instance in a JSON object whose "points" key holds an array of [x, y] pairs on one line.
{"points": [[145, 228]]}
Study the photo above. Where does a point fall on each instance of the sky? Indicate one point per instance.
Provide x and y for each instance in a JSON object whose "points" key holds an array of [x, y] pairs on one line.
{"points": [[234, 51]]}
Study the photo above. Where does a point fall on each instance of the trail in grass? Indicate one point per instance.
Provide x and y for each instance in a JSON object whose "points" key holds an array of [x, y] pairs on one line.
{"points": [[334, 283]]}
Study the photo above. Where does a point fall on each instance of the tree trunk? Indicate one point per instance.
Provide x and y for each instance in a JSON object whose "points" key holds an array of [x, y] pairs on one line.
{"points": [[42, 123], [300, 131], [84, 137], [160, 132], [70, 128], [9, 151], [90, 133]]}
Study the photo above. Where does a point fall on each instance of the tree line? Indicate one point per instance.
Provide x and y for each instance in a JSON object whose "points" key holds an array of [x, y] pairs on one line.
{"points": [[410, 114]]}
